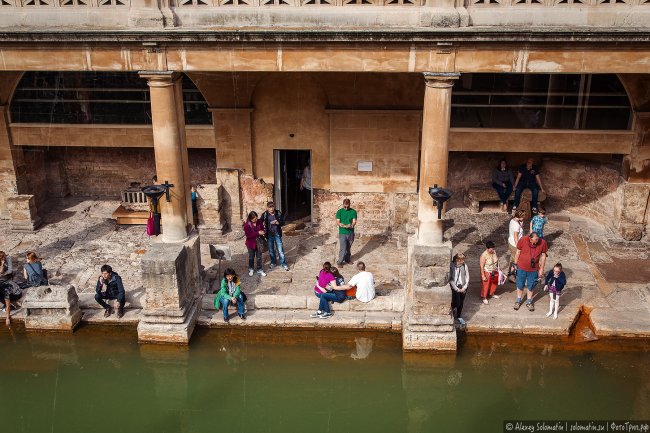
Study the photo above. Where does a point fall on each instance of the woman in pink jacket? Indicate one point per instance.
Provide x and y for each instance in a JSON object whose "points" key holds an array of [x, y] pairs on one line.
{"points": [[253, 228]]}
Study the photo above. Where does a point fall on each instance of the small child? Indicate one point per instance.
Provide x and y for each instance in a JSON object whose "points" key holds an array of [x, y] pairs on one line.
{"points": [[554, 282], [538, 222]]}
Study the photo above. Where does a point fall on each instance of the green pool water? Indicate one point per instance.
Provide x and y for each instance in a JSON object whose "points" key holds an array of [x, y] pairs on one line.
{"points": [[101, 380]]}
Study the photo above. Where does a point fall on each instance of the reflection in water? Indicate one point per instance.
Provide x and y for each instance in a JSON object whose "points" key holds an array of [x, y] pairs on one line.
{"points": [[310, 381]]}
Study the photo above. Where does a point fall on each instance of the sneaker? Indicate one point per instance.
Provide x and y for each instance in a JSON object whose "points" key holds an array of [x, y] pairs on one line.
{"points": [[242, 316], [485, 301], [226, 319], [325, 316], [316, 314], [261, 272], [108, 311], [250, 272], [530, 306], [517, 304], [272, 265], [462, 321], [120, 312], [285, 267], [495, 296], [534, 210]]}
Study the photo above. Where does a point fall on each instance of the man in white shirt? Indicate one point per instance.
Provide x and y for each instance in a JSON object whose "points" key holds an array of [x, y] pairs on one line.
{"points": [[364, 282]]}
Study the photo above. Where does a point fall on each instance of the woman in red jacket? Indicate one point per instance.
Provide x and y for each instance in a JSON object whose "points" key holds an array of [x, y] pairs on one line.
{"points": [[253, 228]]}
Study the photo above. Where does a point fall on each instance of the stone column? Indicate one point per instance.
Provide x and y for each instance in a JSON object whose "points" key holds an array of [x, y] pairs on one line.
{"points": [[170, 152], [434, 155]]}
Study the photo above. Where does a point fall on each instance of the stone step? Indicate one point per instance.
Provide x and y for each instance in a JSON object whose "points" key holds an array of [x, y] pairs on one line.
{"points": [[376, 321], [96, 316], [393, 302]]}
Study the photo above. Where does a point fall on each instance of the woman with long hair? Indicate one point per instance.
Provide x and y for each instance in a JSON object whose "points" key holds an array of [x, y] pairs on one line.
{"points": [[230, 294], [254, 228]]}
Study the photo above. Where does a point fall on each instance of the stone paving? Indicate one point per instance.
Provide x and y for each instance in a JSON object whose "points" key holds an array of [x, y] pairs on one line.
{"points": [[608, 277]]}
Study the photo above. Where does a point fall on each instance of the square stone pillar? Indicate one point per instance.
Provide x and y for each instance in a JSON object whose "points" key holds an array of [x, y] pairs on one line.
{"points": [[427, 321], [171, 274], [22, 213], [434, 154]]}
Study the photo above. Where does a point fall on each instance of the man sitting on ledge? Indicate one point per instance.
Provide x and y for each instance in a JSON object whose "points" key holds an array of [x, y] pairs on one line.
{"points": [[364, 281], [109, 286]]}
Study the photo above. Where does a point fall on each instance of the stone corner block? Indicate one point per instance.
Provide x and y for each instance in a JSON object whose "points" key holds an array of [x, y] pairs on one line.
{"points": [[427, 256], [53, 307], [631, 232]]}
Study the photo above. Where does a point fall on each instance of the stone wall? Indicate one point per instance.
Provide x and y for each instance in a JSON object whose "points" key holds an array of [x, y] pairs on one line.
{"points": [[102, 172], [255, 193], [389, 140], [387, 214]]}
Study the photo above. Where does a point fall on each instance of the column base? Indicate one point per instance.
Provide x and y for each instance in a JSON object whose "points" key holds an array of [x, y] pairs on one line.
{"points": [[160, 329]]}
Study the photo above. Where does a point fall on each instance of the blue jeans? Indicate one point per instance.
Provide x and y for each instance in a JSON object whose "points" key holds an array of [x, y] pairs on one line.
{"points": [[325, 298], [276, 241], [528, 279], [533, 190], [225, 301], [504, 193]]}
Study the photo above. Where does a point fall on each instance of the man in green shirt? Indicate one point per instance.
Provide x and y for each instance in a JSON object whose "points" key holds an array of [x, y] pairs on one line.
{"points": [[346, 219]]}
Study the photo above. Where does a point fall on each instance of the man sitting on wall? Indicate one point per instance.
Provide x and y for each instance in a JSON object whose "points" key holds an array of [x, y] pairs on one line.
{"points": [[528, 177], [109, 286]]}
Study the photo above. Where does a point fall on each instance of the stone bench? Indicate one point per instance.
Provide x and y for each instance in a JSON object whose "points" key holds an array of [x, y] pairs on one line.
{"points": [[485, 193]]}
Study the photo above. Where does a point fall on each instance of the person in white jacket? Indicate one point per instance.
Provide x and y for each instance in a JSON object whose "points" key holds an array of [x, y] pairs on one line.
{"points": [[458, 281], [364, 282]]}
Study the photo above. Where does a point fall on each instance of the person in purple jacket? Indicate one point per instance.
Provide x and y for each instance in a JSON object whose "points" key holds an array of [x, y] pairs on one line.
{"points": [[253, 228]]}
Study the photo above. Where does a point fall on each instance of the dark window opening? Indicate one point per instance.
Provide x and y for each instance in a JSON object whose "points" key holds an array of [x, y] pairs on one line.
{"points": [[95, 98], [530, 101]]}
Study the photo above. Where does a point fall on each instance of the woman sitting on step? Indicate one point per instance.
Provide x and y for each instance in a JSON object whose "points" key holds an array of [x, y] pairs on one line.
{"points": [[328, 289], [230, 294]]}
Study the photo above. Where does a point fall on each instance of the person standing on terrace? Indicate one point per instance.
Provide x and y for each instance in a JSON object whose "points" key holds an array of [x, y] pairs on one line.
{"points": [[346, 220]]}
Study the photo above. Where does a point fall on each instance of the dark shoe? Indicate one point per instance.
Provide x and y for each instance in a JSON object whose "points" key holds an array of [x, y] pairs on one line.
{"points": [[108, 311], [242, 316], [120, 312], [517, 305], [349, 262], [226, 319], [530, 306]]}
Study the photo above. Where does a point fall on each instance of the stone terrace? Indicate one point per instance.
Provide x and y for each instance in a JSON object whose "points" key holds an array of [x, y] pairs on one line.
{"points": [[78, 236], [608, 277]]}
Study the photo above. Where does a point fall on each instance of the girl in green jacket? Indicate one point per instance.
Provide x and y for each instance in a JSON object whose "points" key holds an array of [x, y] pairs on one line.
{"points": [[230, 293]]}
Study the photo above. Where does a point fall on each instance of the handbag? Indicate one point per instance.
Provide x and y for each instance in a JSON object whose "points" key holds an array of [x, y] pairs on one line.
{"points": [[502, 277], [262, 244], [150, 225]]}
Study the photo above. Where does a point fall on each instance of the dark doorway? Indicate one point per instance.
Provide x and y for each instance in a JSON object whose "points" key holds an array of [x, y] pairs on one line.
{"points": [[289, 173]]}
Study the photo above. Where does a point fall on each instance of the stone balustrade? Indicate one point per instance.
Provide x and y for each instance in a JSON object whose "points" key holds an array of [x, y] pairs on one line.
{"points": [[25, 15]]}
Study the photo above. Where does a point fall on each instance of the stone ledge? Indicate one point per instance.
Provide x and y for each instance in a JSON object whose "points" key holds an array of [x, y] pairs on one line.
{"points": [[608, 322]]}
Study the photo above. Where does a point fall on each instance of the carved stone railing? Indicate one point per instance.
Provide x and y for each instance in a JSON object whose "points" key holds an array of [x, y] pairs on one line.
{"points": [[64, 3], [555, 3]]}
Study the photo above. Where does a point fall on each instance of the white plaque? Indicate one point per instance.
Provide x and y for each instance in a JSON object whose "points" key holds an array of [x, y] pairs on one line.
{"points": [[364, 166]]}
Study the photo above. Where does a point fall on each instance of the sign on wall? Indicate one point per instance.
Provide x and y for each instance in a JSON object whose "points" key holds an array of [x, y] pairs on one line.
{"points": [[364, 166]]}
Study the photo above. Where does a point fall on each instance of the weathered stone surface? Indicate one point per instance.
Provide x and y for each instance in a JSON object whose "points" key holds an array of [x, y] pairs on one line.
{"points": [[281, 302], [430, 341], [22, 212], [172, 291], [631, 232], [52, 307]]}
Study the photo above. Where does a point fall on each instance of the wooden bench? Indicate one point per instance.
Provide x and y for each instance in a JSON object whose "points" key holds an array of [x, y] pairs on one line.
{"points": [[124, 216], [485, 193]]}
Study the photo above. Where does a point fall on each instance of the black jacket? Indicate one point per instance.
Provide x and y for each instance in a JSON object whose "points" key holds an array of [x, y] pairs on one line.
{"points": [[114, 285], [265, 221]]}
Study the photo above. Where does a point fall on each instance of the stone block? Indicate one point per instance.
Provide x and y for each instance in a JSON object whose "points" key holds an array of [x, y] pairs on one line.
{"points": [[166, 332], [631, 232], [430, 277], [427, 256], [280, 302], [433, 301], [635, 201], [380, 303], [52, 307], [22, 213], [436, 341]]}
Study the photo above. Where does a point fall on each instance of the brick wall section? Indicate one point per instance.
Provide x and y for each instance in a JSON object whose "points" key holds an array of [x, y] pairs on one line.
{"points": [[104, 172], [255, 193], [388, 139], [378, 213]]}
